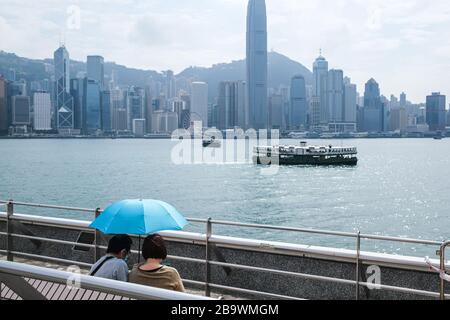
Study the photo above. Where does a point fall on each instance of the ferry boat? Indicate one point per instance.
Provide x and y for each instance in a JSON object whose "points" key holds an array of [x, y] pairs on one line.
{"points": [[306, 155]]}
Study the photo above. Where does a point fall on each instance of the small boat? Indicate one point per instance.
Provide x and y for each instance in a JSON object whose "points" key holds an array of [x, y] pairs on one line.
{"points": [[306, 155], [211, 143], [438, 136]]}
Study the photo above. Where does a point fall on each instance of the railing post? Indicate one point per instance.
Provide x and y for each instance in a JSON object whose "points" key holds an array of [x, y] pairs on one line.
{"points": [[97, 239], [358, 265], [442, 267], [207, 258], [9, 238]]}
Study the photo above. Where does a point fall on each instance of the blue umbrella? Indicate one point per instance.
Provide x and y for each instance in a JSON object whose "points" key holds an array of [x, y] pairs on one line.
{"points": [[139, 217]]}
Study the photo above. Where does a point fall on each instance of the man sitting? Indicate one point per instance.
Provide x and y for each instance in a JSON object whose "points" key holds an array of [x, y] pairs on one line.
{"points": [[114, 264]]}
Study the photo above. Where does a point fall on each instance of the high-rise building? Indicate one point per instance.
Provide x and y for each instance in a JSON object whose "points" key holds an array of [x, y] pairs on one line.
{"points": [[135, 98], [320, 69], [403, 100], [42, 106], [4, 123], [164, 121], [96, 70], [106, 111], [21, 111], [199, 102], [93, 107], [231, 105], [398, 120], [257, 64], [335, 96], [276, 111], [298, 108], [350, 102], [373, 112], [119, 111], [314, 114], [435, 111], [77, 86], [64, 118]]}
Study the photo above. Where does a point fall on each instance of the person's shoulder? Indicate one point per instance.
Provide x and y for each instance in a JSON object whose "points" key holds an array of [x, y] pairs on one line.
{"points": [[170, 270]]}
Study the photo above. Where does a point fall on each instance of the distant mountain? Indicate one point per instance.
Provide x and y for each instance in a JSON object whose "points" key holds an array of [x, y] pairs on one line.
{"points": [[281, 69]]}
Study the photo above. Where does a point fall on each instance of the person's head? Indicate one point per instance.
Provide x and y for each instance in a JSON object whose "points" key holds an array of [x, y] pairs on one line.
{"points": [[154, 248], [120, 246]]}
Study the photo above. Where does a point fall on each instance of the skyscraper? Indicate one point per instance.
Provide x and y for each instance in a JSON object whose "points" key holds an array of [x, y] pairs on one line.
{"points": [[373, 112], [335, 95], [435, 115], [231, 105], [96, 70], [42, 111], [320, 69], [199, 102], [3, 107], [63, 99], [135, 105], [257, 64], [106, 111], [92, 105], [350, 104], [298, 105], [21, 113]]}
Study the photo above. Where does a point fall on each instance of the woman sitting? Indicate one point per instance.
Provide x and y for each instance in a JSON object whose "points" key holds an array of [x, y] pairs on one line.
{"points": [[151, 272]]}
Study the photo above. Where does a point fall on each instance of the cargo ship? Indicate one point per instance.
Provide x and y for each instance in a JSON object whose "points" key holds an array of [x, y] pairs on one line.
{"points": [[306, 155]]}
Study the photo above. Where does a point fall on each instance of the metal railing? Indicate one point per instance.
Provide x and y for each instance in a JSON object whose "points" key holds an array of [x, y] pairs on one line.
{"points": [[10, 272], [209, 239]]}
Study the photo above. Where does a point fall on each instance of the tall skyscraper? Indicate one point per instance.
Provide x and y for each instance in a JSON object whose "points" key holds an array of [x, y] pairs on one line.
{"points": [[320, 69], [231, 105], [199, 102], [96, 70], [3, 107], [257, 64], [350, 101], [435, 115], [77, 86], [373, 112], [106, 111], [335, 96], [276, 111], [63, 99], [298, 105], [42, 111], [135, 105], [403, 100], [93, 107]]}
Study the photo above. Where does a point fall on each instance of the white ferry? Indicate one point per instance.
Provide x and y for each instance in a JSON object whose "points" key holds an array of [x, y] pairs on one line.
{"points": [[306, 155]]}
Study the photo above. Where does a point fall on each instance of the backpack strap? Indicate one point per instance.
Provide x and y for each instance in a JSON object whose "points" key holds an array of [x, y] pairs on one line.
{"points": [[100, 265]]}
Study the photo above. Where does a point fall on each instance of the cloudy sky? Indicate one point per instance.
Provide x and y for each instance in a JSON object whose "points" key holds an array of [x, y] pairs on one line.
{"points": [[403, 44]]}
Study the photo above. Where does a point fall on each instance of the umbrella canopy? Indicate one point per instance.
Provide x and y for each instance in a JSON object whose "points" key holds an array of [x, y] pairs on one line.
{"points": [[139, 217]]}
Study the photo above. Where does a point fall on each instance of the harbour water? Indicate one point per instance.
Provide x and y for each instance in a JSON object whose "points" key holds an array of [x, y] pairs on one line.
{"points": [[401, 187]]}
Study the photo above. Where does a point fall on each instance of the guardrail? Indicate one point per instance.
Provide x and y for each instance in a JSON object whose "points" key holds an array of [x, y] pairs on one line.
{"points": [[11, 272], [208, 238]]}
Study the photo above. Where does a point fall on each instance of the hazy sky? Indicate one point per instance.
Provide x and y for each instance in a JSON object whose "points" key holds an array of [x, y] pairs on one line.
{"points": [[403, 44]]}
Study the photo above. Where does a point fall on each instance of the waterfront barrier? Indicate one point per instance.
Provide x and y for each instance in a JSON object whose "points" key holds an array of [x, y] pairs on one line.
{"points": [[25, 282], [245, 267]]}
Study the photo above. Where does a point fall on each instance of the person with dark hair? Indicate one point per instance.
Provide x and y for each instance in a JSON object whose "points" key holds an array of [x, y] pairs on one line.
{"points": [[114, 264], [151, 272]]}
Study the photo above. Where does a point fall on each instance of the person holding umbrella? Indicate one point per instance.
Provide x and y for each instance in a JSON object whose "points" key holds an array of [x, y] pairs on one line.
{"points": [[151, 272], [145, 217]]}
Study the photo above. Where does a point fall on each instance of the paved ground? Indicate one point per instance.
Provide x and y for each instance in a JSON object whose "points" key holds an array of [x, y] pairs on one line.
{"points": [[51, 265]]}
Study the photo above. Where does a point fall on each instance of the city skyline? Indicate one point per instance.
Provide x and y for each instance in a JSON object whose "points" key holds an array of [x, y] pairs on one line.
{"points": [[355, 36]]}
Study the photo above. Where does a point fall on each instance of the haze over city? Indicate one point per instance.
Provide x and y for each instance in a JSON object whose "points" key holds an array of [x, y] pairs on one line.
{"points": [[399, 43]]}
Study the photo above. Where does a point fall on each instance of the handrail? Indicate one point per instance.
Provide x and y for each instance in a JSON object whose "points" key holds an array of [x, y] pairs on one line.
{"points": [[442, 266], [208, 238], [108, 286]]}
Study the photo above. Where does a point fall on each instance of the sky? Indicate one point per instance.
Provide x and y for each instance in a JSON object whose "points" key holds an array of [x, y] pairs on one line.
{"points": [[403, 44]]}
